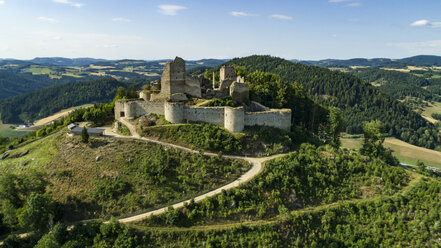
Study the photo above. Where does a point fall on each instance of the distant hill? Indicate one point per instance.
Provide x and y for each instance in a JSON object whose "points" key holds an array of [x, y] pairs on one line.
{"points": [[49, 100], [420, 60], [359, 100], [65, 61], [423, 60], [13, 84], [21, 77]]}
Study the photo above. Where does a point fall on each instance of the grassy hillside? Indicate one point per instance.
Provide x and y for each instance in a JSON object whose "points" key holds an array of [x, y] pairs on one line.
{"points": [[114, 177], [255, 141], [405, 152]]}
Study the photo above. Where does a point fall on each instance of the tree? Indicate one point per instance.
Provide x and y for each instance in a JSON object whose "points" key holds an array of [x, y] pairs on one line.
{"points": [[373, 138], [120, 94], [335, 126], [84, 135], [37, 213]]}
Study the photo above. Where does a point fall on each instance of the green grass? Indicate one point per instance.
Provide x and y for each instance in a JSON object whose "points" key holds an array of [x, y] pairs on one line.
{"points": [[112, 177], [7, 131], [406, 153]]}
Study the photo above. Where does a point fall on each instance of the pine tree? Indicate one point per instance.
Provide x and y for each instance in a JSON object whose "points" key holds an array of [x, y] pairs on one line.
{"points": [[84, 135]]}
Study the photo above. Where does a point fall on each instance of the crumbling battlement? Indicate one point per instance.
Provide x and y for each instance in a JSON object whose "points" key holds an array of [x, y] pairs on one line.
{"points": [[176, 86]]}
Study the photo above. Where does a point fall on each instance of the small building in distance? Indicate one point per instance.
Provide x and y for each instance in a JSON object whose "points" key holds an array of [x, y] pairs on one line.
{"points": [[75, 130]]}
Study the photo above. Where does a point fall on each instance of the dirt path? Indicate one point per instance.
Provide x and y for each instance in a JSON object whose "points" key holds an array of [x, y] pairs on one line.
{"points": [[58, 115], [257, 165], [415, 178]]}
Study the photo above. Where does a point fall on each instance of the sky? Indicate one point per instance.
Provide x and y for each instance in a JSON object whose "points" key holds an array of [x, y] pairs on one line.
{"points": [[196, 29]]}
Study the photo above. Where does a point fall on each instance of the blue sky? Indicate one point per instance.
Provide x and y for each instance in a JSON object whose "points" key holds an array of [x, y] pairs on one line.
{"points": [[195, 29]]}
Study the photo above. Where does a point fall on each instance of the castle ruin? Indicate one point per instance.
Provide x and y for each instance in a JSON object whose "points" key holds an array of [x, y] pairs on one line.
{"points": [[177, 88]]}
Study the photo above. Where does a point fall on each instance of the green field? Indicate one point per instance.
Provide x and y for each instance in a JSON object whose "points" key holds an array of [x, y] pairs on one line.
{"points": [[431, 109], [7, 131], [406, 153]]}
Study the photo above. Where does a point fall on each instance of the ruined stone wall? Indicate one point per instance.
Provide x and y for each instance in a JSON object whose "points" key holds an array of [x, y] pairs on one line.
{"points": [[279, 118], [119, 108], [174, 112], [177, 76], [234, 119], [211, 115], [136, 108], [227, 73], [193, 87]]}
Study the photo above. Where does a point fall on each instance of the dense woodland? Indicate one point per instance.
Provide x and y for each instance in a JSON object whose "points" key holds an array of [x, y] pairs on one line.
{"points": [[13, 84], [47, 101], [398, 84], [359, 101]]}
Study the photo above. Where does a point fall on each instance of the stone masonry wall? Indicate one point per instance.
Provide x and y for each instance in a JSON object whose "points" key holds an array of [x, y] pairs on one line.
{"points": [[211, 115], [279, 118]]}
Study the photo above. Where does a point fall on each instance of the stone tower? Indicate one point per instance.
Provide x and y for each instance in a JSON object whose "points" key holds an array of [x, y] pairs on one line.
{"points": [[227, 73], [173, 77]]}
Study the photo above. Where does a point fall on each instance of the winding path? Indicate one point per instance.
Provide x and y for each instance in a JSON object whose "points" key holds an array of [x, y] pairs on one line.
{"points": [[257, 165]]}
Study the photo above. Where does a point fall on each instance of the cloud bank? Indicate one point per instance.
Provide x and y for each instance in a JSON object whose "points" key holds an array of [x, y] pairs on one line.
{"points": [[281, 17], [425, 23], [170, 9], [69, 2], [241, 14]]}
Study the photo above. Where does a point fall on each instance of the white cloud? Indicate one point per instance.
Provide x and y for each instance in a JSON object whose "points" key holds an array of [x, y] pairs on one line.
{"points": [[420, 23], [57, 38], [356, 4], [2, 2], [46, 19], [120, 19], [241, 14], [351, 3], [281, 17], [69, 2], [170, 9], [426, 23]]}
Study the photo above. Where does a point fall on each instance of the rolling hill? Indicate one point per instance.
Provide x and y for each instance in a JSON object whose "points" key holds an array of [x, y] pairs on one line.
{"points": [[46, 101], [359, 100]]}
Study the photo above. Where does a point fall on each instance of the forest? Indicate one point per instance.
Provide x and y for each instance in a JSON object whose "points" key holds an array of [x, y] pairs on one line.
{"points": [[358, 100], [47, 101], [13, 84]]}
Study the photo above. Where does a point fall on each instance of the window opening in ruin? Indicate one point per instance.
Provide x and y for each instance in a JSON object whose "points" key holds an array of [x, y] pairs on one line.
{"points": [[122, 114]]}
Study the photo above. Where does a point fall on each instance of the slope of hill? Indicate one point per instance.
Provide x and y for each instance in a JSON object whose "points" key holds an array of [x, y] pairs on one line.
{"points": [[359, 101], [65, 61], [398, 84], [46, 101], [13, 84], [420, 60]]}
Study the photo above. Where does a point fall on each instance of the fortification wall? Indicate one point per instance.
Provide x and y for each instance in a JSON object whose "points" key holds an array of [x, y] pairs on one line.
{"points": [[119, 109], [136, 108], [234, 119], [155, 108], [211, 115], [279, 118], [174, 112]]}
